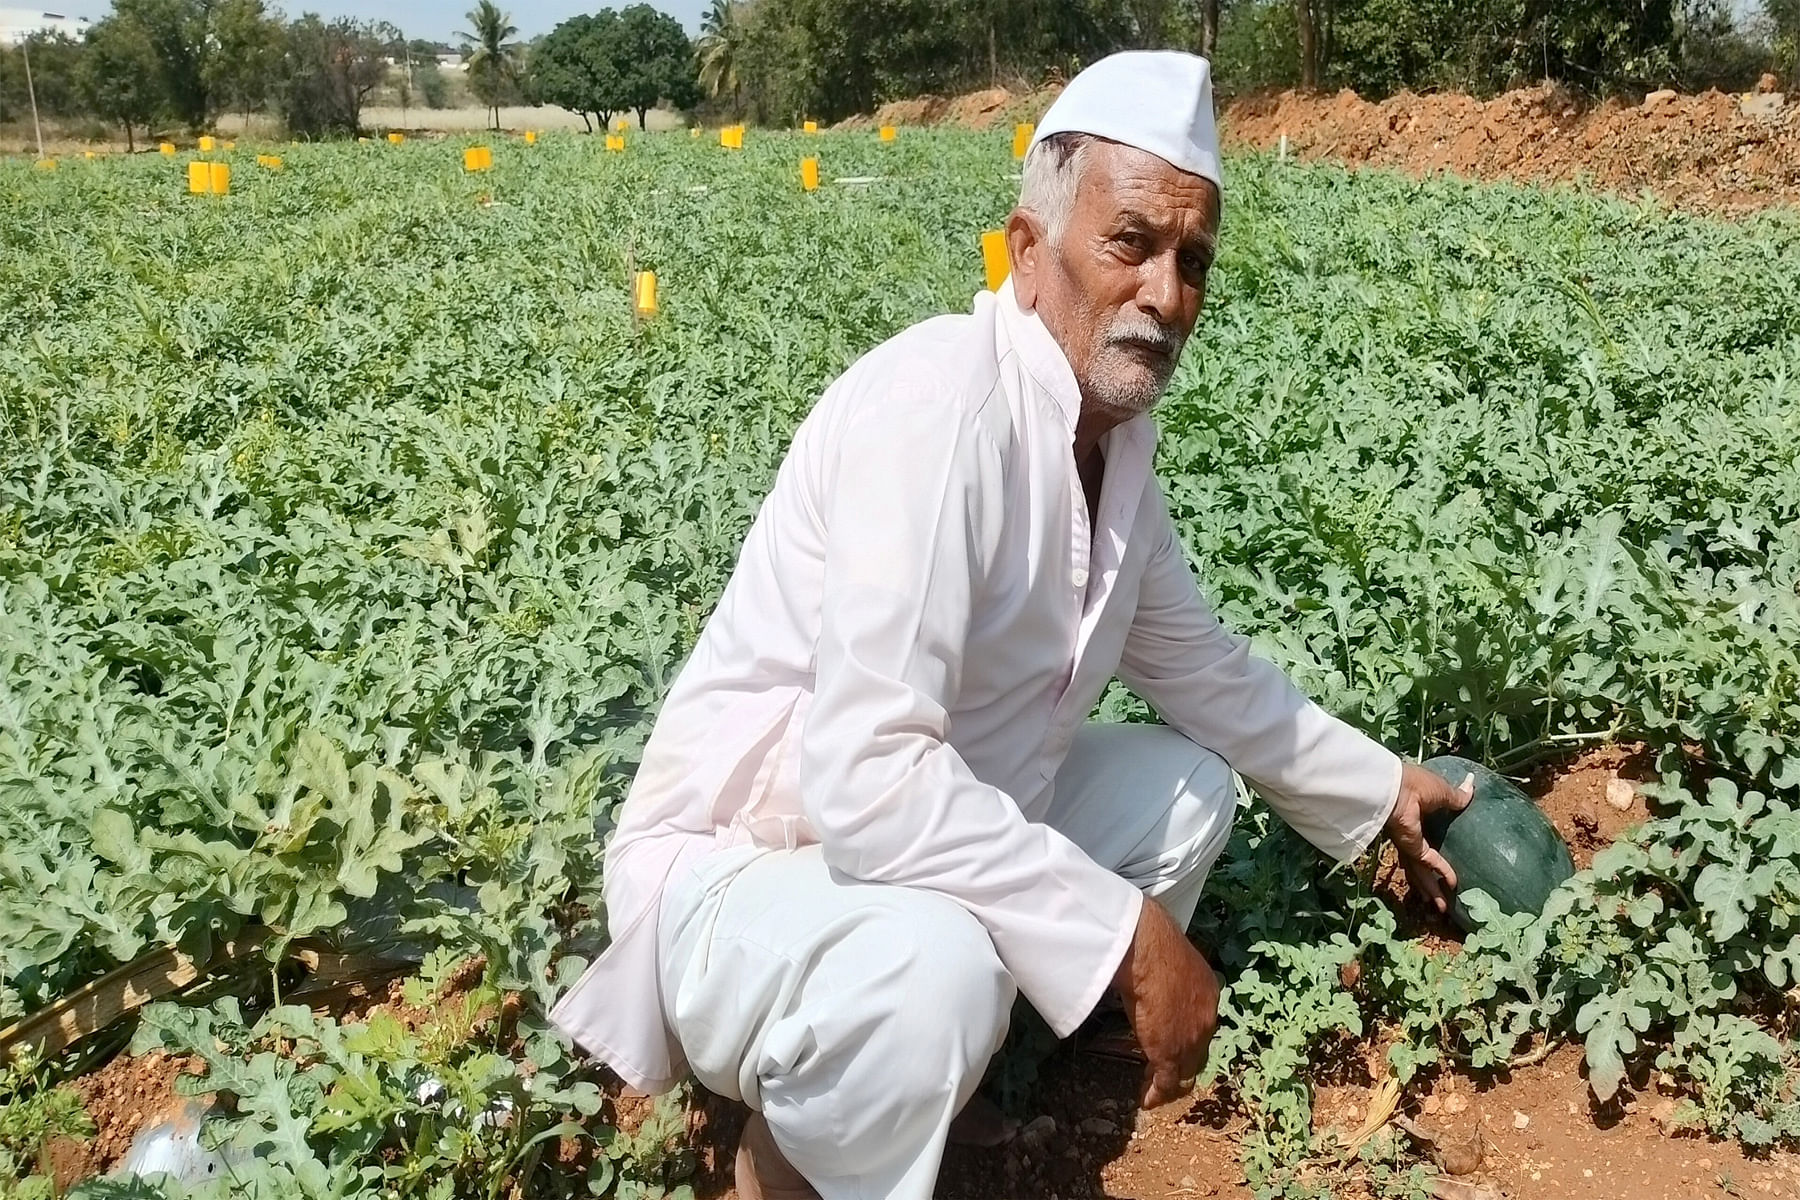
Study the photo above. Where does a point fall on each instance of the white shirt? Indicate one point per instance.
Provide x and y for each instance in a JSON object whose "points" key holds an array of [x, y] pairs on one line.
{"points": [[920, 620]]}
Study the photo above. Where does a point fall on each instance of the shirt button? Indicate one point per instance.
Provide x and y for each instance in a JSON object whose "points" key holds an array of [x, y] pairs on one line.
{"points": [[1078, 577]]}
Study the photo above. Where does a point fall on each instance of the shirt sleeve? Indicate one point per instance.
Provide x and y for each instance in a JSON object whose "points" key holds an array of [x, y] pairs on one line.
{"points": [[912, 508], [1334, 784]]}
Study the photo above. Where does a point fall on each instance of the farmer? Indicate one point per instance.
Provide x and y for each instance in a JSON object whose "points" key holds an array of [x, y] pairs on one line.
{"points": [[872, 811]]}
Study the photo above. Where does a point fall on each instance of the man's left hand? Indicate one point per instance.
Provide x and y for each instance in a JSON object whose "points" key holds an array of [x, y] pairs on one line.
{"points": [[1422, 792]]}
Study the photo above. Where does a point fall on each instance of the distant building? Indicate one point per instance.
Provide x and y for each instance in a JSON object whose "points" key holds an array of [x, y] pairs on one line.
{"points": [[452, 62], [18, 24]]}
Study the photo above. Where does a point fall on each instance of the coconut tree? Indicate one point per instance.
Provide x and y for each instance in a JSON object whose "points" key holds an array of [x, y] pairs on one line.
{"points": [[491, 60], [721, 36]]}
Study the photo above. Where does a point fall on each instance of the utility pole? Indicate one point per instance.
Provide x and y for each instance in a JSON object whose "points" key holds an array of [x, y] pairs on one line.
{"points": [[25, 49]]}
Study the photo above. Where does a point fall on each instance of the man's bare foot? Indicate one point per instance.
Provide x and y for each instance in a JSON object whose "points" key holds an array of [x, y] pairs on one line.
{"points": [[762, 1171], [981, 1123]]}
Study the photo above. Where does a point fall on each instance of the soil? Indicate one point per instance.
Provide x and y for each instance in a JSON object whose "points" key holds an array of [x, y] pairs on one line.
{"points": [[121, 1097], [1702, 152], [1715, 152]]}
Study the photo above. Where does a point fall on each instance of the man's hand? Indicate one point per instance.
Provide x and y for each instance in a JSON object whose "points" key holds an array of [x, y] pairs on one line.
{"points": [[1172, 999], [1422, 792]]}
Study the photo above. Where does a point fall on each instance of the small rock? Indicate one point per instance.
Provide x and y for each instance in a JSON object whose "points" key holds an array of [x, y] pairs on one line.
{"points": [[1187, 1182], [1432, 1105], [1099, 1127], [1520, 1120], [1620, 794], [1704, 1164], [1767, 105], [1659, 97], [1767, 83], [1454, 1103]]}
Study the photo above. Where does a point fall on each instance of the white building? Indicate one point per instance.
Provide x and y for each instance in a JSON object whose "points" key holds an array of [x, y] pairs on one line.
{"points": [[17, 24]]}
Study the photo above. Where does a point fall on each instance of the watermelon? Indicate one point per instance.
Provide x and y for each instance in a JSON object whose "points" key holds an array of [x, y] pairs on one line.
{"points": [[1502, 843]]}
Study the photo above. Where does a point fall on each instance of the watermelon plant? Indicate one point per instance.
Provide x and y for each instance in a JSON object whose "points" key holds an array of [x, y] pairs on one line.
{"points": [[351, 530]]}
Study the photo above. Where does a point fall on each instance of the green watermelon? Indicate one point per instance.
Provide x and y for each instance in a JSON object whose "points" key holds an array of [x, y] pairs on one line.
{"points": [[1502, 843]]}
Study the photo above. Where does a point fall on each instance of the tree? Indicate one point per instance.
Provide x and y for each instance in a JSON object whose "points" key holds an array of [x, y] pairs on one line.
{"points": [[657, 61], [121, 79], [720, 48], [55, 74], [182, 35], [241, 75], [330, 71], [491, 62], [434, 89], [579, 66], [1209, 28]]}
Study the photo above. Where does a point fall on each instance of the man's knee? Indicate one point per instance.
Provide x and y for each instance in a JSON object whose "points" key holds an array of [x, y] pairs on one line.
{"points": [[1198, 820]]}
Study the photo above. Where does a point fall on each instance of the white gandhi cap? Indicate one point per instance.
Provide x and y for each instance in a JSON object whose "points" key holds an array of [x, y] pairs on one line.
{"points": [[1160, 101]]}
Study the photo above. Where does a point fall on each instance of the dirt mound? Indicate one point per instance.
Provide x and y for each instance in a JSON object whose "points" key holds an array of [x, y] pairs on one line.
{"points": [[1711, 151]]}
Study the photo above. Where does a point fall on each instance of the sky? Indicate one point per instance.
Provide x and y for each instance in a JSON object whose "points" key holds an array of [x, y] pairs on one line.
{"points": [[439, 19]]}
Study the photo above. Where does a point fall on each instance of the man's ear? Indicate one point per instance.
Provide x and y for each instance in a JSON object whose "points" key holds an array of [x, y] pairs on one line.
{"points": [[1025, 247]]}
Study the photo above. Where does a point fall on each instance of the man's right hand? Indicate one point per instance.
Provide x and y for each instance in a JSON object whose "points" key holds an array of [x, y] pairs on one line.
{"points": [[1172, 998]]}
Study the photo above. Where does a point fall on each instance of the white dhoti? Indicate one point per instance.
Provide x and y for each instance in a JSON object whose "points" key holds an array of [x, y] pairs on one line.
{"points": [[858, 1018]]}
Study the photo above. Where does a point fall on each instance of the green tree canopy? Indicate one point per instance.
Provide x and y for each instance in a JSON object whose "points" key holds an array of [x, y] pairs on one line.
{"points": [[330, 70], [120, 77], [492, 55]]}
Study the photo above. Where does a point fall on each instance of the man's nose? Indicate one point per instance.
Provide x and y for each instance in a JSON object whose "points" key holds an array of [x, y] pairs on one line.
{"points": [[1159, 288]]}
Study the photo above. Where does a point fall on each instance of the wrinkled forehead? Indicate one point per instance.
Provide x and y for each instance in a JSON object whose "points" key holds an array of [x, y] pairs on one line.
{"points": [[1116, 178]]}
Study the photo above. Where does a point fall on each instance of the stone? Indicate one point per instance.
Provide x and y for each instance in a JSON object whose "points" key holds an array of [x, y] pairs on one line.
{"points": [[1768, 83], [1520, 1120], [1454, 1103], [1766, 106], [1620, 793], [1099, 1127], [1659, 97]]}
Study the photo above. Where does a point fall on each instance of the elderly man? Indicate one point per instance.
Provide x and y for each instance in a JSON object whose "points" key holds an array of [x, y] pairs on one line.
{"points": [[871, 812]]}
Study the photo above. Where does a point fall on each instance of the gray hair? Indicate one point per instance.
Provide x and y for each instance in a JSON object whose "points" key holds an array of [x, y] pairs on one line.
{"points": [[1052, 174]]}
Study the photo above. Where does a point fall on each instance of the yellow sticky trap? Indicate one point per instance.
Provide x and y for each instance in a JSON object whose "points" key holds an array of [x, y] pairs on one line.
{"points": [[1022, 139], [810, 127], [220, 178], [694, 132], [809, 174], [199, 178], [271, 161], [206, 144], [394, 139], [166, 149], [615, 142], [887, 133], [995, 258], [620, 124], [732, 137], [231, 145], [88, 154], [46, 164], [477, 158], [531, 137], [643, 294]]}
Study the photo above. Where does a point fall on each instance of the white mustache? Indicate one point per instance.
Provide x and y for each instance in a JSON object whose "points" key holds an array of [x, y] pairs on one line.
{"points": [[1158, 337]]}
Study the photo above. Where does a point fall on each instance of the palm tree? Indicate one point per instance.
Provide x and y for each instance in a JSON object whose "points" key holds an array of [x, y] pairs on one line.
{"points": [[491, 63], [721, 36]]}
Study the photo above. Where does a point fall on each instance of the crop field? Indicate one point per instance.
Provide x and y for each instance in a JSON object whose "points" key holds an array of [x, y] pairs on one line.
{"points": [[351, 529]]}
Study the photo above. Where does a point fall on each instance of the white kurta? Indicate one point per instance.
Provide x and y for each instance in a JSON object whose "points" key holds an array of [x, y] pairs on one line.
{"points": [[919, 623]]}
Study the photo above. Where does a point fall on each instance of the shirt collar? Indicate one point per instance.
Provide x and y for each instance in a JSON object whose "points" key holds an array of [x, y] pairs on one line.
{"points": [[1039, 354]]}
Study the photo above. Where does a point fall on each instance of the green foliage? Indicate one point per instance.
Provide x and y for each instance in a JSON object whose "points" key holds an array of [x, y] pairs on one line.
{"points": [[32, 1114], [331, 67], [120, 78], [492, 55]]}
